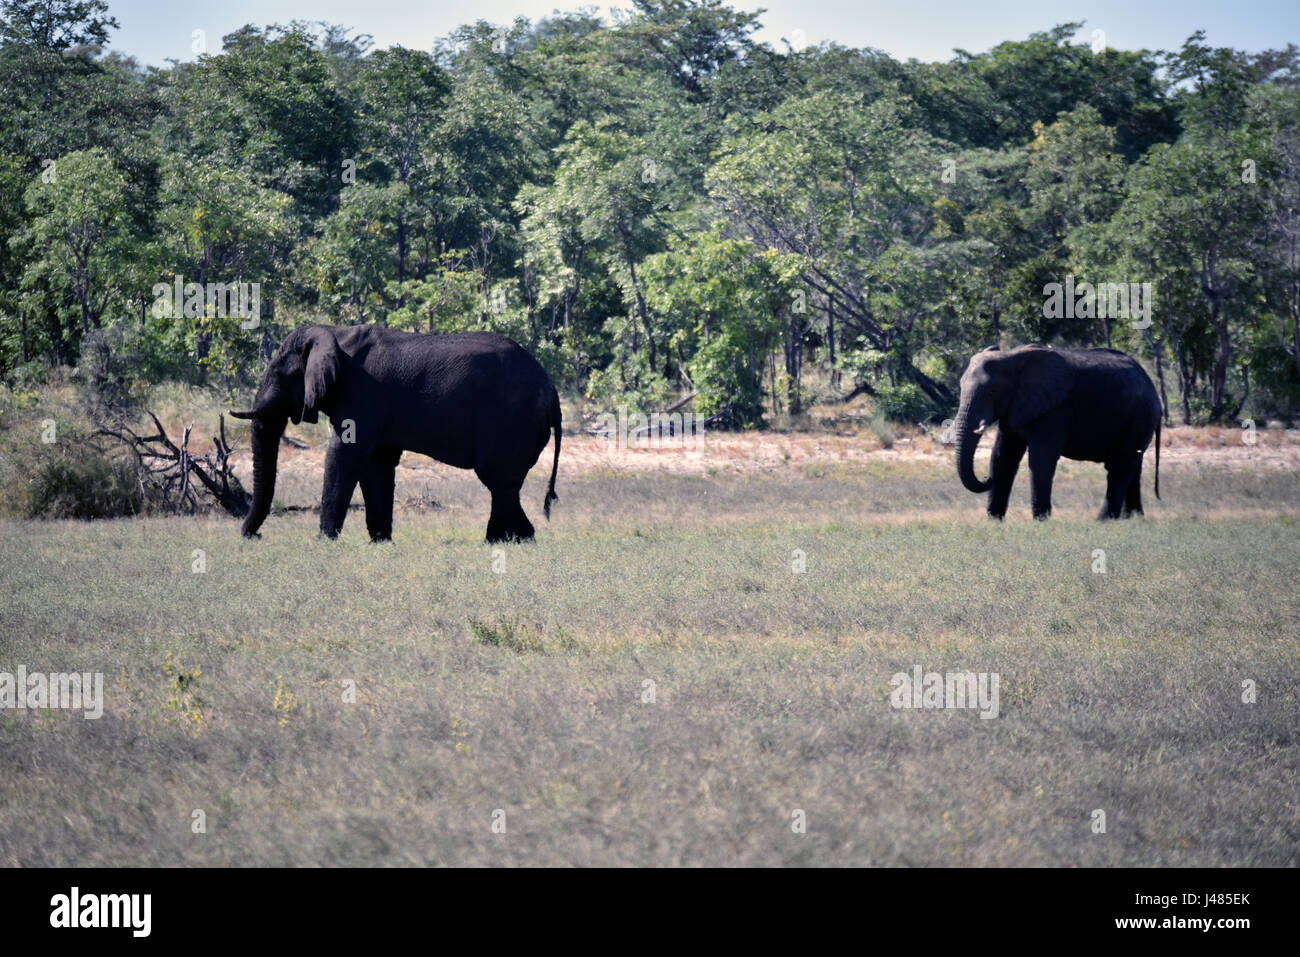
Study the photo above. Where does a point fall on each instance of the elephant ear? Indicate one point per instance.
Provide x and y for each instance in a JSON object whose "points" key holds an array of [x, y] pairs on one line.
{"points": [[1045, 382], [320, 373]]}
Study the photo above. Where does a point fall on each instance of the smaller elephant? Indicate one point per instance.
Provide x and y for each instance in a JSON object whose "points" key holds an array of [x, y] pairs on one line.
{"points": [[1094, 405]]}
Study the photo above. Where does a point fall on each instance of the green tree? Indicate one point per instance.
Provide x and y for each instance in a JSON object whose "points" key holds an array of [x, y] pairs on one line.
{"points": [[79, 237], [837, 183], [402, 94], [220, 226], [688, 40], [726, 303], [269, 106], [355, 258], [1193, 220]]}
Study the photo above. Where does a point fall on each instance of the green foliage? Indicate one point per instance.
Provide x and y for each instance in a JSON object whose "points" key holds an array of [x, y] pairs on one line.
{"points": [[723, 300], [352, 263], [448, 299], [902, 403], [652, 205], [627, 380], [84, 485], [78, 238], [1275, 383], [50, 466], [726, 385]]}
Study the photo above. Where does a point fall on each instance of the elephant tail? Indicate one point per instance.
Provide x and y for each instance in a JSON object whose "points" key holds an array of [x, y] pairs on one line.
{"points": [[555, 464], [1158, 425]]}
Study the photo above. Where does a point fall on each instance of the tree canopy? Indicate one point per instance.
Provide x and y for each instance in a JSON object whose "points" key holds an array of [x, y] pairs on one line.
{"points": [[659, 204]]}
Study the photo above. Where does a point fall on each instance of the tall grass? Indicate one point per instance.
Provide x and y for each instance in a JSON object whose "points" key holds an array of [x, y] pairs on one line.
{"points": [[655, 680]]}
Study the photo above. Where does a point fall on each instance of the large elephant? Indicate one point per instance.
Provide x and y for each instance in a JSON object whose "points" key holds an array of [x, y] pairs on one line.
{"points": [[475, 400], [1096, 405]]}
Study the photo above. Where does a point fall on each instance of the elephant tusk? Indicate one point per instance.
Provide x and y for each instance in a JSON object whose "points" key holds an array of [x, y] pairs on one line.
{"points": [[241, 415], [979, 430]]}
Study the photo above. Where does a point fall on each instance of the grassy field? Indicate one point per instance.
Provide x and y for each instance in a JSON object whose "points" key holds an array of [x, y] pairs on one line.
{"points": [[511, 686]]}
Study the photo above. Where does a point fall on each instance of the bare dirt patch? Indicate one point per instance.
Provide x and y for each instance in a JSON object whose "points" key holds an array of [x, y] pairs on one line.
{"points": [[721, 452]]}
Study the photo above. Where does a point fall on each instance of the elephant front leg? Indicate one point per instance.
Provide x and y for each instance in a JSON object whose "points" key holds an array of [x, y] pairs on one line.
{"points": [[1008, 450], [1042, 470], [342, 471]]}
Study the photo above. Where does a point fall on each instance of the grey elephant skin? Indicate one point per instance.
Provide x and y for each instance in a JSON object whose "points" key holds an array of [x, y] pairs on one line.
{"points": [[1095, 405], [474, 400]]}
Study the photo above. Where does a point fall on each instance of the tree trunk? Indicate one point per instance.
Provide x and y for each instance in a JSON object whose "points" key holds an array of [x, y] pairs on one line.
{"points": [[794, 367], [771, 371], [1222, 354], [640, 299], [1294, 297], [1217, 294], [401, 259], [202, 339], [938, 393], [830, 341], [1245, 392], [1157, 350], [1183, 385]]}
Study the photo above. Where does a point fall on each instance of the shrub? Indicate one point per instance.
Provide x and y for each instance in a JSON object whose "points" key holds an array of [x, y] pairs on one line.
{"points": [[902, 403], [629, 383], [106, 370], [1275, 384], [725, 386], [505, 633], [882, 429], [86, 487]]}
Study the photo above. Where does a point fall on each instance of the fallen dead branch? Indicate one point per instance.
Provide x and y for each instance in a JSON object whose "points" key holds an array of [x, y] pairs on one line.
{"points": [[164, 470]]}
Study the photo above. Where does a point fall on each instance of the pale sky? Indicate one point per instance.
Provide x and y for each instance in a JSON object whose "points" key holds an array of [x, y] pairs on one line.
{"points": [[155, 30]]}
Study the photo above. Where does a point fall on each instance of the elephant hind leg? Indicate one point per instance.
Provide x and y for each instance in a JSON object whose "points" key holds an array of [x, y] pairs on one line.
{"points": [[377, 483], [1120, 476], [1133, 497], [507, 522]]}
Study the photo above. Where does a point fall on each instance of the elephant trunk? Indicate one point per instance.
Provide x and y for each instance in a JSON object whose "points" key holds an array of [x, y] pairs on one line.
{"points": [[967, 440], [266, 450]]}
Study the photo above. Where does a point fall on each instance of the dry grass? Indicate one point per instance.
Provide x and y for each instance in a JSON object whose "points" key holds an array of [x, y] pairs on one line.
{"points": [[523, 690]]}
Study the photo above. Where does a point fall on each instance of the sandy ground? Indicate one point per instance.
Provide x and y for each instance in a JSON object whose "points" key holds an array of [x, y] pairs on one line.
{"points": [[758, 451]]}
